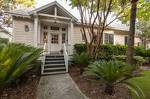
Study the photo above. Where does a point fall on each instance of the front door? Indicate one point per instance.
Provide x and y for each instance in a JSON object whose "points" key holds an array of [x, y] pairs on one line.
{"points": [[55, 42]]}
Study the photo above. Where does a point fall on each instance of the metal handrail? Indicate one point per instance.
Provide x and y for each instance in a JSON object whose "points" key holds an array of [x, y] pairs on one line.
{"points": [[65, 56]]}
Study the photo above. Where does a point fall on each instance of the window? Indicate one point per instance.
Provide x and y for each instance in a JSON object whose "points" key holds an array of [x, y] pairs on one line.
{"points": [[54, 38], [63, 29], [54, 28], [138, 44], [45, 27], [63, 37], [45, 37], [126, 40], [108, 38], [26, 28], [83, 37]]}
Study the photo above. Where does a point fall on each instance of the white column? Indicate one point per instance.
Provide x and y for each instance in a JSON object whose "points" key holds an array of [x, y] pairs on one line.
{"points": [[72, 32], [35, 31], [39, 32], [70, 37]]}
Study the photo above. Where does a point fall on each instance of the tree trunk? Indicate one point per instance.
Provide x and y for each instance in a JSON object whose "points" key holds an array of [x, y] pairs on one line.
{"points": [[145, 43], [130, 50]]}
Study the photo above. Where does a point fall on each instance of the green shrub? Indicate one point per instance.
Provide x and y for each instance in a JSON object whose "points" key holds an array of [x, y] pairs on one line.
{"points": [[105, 52], [15, 60], [138, 60], [108, 51], [112, 73], [81, 59], [3, 42], [79, 48], [147, 59], [120, 58], [147, 53]]}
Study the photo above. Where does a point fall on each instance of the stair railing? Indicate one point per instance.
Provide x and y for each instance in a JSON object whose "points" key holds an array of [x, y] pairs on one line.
{"points": [[65, 56], [43, 58]]}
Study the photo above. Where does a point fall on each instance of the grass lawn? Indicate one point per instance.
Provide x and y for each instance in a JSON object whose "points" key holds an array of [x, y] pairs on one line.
{"points": [[144, 83]]}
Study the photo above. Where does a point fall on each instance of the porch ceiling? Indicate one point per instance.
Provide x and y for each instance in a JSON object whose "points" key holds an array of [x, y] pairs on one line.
{"points": [[50, 10]]}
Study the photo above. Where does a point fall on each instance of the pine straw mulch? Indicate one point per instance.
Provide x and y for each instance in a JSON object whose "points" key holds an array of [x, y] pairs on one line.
{"points": [[25, 89], [94, 89]]}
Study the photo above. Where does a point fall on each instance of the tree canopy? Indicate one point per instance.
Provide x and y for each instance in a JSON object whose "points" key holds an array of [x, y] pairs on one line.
{"points": [[7, 5], [143, 11], [95, 18], [12, 4]]}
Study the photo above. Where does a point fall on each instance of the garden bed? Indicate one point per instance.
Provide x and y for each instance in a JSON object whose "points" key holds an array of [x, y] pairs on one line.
{"points": [[25, 89], [94, 89]]}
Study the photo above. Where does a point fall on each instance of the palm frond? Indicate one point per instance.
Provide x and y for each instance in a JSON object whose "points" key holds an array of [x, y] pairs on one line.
{"points": [[135, 89]]}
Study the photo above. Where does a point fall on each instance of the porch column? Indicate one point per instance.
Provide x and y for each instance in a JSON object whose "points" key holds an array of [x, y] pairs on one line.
{"points": [[39, 32], [70, 37], [72, 32], [35, 36]]}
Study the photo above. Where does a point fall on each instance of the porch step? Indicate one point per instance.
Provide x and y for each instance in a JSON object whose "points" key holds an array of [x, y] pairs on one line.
{"points": [[54, 61], [54, 68], [52, 56], [52, 73], [55, 58], [54, 64]]}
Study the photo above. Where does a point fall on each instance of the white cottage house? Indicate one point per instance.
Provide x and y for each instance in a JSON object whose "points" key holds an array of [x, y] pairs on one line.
{"points": [[50, 26]]}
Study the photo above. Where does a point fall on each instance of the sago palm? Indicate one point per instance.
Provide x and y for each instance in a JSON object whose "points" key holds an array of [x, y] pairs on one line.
{"points": [[15, 60], [112, 73]]}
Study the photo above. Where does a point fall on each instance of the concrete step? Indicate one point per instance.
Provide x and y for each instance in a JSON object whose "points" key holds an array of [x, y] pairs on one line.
{"points": [[54, 61], [56, 68], [51, 70], [58, 56], [55, 64], [49, 62], [52, 73], [54, 58]]}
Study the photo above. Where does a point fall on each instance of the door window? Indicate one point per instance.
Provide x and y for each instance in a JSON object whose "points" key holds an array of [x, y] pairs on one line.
{"points": [[45, 37], [54, 38], [63, 37]]}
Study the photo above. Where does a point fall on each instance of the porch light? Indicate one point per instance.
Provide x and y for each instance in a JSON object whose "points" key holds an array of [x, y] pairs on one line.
{"points": [[26, 28]]}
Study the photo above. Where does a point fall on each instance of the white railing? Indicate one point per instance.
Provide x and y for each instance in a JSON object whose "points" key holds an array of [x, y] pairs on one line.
{"points": [[65, 56], [43, 58]]}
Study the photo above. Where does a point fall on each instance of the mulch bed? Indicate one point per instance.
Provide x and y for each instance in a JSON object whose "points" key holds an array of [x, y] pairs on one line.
{"points": [[25, 89], [93, 89]]}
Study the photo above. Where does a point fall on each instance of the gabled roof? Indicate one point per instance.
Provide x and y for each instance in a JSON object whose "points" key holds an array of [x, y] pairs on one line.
{"points": [[51, 4], [5, 31], [28, 12]]}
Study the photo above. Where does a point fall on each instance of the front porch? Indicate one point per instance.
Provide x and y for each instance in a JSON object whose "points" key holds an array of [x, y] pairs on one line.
{"points": [[53, 36], [53, 27]]}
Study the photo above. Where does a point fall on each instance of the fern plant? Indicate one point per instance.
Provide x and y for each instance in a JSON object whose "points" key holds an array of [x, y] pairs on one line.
{"points": [[81, 59], [113, 73], [15, 60]]}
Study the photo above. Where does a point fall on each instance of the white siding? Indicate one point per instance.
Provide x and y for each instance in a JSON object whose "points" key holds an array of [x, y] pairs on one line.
{"points": [[20, 36], [77, 37], [119, 39], [137, 41]]}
